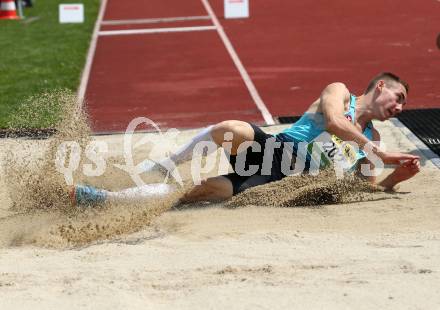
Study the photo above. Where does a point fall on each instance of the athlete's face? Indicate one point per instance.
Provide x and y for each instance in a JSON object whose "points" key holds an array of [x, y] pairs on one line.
{"points": [[391, 97]]}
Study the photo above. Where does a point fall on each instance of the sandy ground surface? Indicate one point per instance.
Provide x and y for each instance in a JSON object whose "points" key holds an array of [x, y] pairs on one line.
{"points": [[381, 254]]}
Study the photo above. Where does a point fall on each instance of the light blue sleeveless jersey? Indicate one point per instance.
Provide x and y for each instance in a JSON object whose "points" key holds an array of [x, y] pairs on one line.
{"points": [[311, 125]]}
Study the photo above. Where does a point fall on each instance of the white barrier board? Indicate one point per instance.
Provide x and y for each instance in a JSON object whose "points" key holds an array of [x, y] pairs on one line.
{"points": [[71, 13], [236, 8]]}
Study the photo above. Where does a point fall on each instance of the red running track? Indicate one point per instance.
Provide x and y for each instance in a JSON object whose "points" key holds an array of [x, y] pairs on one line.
{"points": [[291, 50], [139, 9], [177, 79]]}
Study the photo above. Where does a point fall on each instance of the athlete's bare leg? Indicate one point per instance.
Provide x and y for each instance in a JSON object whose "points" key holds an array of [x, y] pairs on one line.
{"points": [[241, 132], [220, 188], [213, 189]]}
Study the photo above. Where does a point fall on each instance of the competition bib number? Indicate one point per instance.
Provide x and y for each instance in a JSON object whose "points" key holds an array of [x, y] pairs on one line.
{"points": [[327, 149]]}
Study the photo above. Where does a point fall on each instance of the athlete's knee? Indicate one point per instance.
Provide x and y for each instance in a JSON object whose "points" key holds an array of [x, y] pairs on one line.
{"points": [[236, 128], [220, 187], [212, 189], [225, 126]]}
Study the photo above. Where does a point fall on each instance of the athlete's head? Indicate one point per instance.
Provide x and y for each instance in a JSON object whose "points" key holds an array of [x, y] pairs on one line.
{"points": [[389, 94], [389, 78]]}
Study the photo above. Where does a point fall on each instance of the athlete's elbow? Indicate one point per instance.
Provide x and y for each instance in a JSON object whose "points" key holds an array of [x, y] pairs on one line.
{"points": [[334, 125], [330, 125]]}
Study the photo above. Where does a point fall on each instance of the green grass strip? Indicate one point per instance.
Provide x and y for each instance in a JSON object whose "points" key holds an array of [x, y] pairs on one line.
{"points": [[39, 56]]}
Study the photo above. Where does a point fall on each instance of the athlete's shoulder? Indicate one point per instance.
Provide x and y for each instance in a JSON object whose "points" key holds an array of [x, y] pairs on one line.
{"points": [[335, 98], [336, 86], [336, 89]]}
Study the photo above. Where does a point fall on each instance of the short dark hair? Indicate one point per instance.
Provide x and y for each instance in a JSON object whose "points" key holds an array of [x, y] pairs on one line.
{"points": [[386, 76]]}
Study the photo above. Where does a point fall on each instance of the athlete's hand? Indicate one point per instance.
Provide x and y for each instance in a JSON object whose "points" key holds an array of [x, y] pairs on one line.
{"points": [[406, 170], [389, 158], [395, 158]]}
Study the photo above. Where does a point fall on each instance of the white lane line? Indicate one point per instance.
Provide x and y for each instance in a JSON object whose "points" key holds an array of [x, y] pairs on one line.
{"points": [[152, 20], [430, 155], [90, 55], [154, 30], [245, 76]]}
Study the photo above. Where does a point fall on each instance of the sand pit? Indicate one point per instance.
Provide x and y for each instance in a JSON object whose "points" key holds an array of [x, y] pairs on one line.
{"points": [[40, 211], [379, 253]]}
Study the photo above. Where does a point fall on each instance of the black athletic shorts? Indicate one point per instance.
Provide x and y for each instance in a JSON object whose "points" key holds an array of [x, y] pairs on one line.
{"points": [[272, 172]]}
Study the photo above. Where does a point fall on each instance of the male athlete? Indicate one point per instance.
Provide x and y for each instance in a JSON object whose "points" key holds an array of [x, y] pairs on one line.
{"points": [[336, 114]]}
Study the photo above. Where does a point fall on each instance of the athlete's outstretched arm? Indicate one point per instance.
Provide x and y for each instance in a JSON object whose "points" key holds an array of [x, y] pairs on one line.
{"points": [[404, 171], [365, 161], [332, 105]]}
